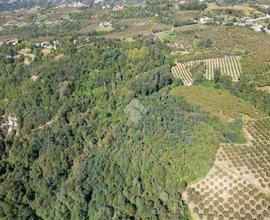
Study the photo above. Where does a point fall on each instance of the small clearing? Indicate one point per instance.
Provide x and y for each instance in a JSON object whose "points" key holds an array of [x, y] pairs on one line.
{"points": [[265, 88]]}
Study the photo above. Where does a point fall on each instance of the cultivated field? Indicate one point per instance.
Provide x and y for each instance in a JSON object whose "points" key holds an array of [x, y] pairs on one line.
{"points": [[228, 65], [181, 72], [238, 185]]}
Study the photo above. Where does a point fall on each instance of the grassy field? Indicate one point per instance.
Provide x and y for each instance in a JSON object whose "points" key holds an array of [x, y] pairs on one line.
{"points": [[237, 39], [184, 15], [238, 7], [137, 26], [265, 88], [228, 40], [218, 103]]}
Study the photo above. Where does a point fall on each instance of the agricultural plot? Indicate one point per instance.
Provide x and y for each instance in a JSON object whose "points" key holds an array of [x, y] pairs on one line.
{"points": [[181, 72], [228, 65], [218, 103], [238, 185], [256, 70]]}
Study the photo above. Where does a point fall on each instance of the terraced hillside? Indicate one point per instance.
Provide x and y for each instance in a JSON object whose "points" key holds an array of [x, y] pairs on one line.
{"points": [[238, 185], [229, 65]]}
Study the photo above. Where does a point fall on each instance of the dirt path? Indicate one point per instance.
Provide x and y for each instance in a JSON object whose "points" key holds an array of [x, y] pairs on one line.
{"points": [[47, 124]]}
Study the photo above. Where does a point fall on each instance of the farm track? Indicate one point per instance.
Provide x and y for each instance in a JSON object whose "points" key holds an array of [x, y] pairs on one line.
{"points": [[238, 184]]}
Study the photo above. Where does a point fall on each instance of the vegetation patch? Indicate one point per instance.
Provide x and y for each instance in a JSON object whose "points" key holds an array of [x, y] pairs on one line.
{"points": [[219, 103]]}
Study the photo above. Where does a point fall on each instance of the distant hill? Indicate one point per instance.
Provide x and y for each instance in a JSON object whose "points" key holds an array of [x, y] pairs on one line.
{"points": [[7, 5], [17, 4]]}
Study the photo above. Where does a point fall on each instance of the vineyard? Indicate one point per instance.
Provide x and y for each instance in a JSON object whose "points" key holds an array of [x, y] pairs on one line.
{"points": [[181, 72], [228, 65], [238, 185]]}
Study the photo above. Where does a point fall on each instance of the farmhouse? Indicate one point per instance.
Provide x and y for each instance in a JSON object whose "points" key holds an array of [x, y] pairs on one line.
{"points": [[13, 42], [206, 20], [98, 1], [105, 24], [105, 6], [37, 44], [242, 22], [73, 5], [56, 43], [257, 27], [45, 44], [118, 7]]}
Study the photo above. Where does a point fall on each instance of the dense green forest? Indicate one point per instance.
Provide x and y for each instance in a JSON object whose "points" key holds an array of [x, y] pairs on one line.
{"points": [[99, 136]]}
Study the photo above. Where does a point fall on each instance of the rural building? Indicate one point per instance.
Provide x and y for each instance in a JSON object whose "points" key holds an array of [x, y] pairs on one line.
{"points": [[206, 20], [45, 44], [257, 27], [242, 22], [118, 7], [105, 24], [56, 43], [13, 42]]}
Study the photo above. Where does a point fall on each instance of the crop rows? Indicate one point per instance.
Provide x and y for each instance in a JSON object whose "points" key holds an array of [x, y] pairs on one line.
{"points": [[222, 195], [238, 185], [181, 72], [228, 66]]}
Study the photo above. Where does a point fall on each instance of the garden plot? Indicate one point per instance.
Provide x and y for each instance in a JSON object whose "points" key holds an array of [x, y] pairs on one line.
{"points": [[238, 185]]}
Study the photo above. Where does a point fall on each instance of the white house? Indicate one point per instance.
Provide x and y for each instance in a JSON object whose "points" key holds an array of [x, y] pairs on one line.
{"points": [[13, 41], [206, 20], [45, 44], [105, 24], [56, 43], [118, 7], [257, 27]]}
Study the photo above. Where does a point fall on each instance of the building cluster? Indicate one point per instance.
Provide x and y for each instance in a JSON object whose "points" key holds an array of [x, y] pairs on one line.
{"points": [[105, 24], [73, 5], [252, 23], [242, 22], [46, 44]]}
